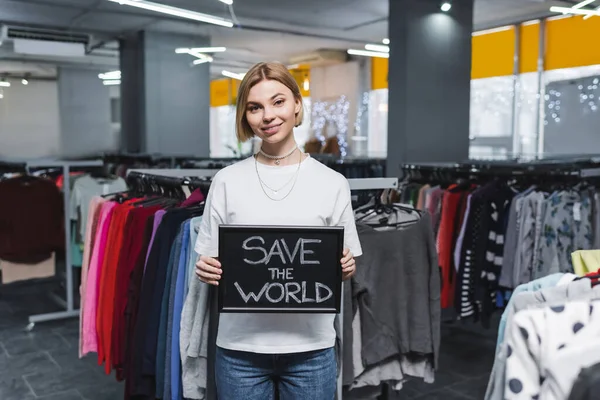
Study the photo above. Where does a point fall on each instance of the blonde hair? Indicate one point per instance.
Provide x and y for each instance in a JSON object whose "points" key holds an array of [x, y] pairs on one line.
{"points": [[263, 71]]}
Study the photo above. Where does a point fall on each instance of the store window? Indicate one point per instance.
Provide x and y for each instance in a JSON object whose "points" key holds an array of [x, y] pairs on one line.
{"points": [[491, 107], [378, 123], [526, 143]]}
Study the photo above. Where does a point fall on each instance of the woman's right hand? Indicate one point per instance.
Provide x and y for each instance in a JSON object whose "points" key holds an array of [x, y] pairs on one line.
{"points": [[208, 270]]}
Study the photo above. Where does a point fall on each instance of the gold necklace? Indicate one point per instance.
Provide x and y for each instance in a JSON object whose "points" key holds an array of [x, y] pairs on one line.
{"points": [[263, 185]]}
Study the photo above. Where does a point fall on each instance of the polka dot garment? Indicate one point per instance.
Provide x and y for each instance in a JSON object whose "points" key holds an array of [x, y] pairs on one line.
{"points": [[547, 348]]}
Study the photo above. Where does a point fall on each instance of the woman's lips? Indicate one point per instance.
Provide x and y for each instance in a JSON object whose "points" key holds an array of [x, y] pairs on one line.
{"points": [[271, 130]]}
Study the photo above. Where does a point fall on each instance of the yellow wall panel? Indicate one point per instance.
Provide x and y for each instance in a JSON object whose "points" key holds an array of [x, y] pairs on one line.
{"points": [[219, 92], [493, 54], [529, 47], [301, 75], [379, 73], [572, 42]]}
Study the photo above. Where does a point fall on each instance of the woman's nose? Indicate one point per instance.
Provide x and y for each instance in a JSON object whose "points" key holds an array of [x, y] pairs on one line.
{"points": [[268, 115]]}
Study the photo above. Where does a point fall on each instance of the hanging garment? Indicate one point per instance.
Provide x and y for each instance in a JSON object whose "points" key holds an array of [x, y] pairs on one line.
{"points": [[106, 288], [30, 206], [449, 225], [133, 301], [173, 382], [90, 236], [567, 227], [131, 249], [161, 345], [148, 316], [585, 261], [90, 311], [13, 272], [84, 189], [407, 318], [576, 290], [548, 347]]}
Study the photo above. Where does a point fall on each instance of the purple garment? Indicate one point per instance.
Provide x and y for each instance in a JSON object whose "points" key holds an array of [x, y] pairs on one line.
{"points": [[195, 197], [158, 216]]}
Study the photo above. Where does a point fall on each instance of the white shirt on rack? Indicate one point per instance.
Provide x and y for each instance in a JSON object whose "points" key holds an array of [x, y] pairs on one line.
{"points": [[320, 197]]}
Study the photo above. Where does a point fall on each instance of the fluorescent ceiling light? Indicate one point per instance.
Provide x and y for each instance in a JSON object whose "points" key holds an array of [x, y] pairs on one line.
{"points": [[567, 10], [4, 84], [110, 75], [228, 2], [202, 61], [184, 50], [176, 12], [377, 47], [590, 16], [25, 82], [366, 53], [112, 82], [385, 41], [583, 4], [232, 75]]}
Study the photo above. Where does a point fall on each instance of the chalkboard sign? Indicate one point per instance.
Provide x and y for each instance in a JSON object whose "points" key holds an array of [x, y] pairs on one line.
{"points": [[280, 269]]}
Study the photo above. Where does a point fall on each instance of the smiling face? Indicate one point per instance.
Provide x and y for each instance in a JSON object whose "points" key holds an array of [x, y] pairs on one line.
{"points": [[271, 111]]}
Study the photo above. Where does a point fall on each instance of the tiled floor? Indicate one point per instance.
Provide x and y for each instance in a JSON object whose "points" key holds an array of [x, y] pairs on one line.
{"points": [[44, 364]]}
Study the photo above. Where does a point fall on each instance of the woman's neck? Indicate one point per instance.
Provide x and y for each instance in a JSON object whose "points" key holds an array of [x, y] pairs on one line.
{"points": [[279, 149]]}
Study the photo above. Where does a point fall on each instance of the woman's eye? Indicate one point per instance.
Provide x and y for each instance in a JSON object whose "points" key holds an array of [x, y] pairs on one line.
{"points": [[279, 102], [253, 108]]}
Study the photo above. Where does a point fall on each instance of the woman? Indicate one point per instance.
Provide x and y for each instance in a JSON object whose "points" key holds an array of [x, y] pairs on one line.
{"points": [[280, 185]]}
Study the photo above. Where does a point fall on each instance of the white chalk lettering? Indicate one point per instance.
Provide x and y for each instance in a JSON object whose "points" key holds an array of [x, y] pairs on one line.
{"points": [[276, 250], [277, 273], [280, 287], [289, 293], [276, 292], [246, 297], [246, 247], [304, 252], [291, 256], [321, 286], [282, 274], [305, 298]]}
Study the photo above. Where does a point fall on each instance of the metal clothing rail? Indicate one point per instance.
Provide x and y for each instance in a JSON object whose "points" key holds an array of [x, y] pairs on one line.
{"points": [[177, 173], [67, 302]]}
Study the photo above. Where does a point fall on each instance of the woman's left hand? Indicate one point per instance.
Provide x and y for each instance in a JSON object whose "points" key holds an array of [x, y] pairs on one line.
{"points": [[348, 264]]}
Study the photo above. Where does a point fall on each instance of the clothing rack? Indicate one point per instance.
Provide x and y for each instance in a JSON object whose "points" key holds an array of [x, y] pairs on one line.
{"points": [[67, 303], [574, 169], [12, 167]]}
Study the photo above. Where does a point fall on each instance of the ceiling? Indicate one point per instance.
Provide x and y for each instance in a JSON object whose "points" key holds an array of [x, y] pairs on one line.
{"points": [[269, 30]]}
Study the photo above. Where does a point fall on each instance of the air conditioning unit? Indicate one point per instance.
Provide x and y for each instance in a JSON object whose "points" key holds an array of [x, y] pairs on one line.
{"points": [[33, 41], [321, 58], [11, 32]]}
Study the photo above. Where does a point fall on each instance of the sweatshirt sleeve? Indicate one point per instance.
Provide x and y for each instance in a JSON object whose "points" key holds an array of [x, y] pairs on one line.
{"points": [[343, 215]]}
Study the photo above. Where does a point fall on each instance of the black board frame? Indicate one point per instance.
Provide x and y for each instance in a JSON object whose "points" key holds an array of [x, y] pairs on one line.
{"points": [[336, 231]]}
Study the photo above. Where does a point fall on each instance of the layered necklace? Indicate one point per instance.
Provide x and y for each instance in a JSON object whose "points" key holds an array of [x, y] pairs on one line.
{"points": [[293, 180], [278, 158]]}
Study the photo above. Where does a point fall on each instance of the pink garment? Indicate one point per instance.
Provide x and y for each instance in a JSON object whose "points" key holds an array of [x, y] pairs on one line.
{"points": [[90, 303], [88, 245]]}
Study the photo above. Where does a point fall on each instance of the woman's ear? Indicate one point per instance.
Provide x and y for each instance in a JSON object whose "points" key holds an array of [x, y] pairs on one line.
{"points": [[298, 107]]}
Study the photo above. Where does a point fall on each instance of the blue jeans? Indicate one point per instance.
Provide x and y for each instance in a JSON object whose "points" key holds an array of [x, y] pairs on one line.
{"points": [[298, 376]]}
